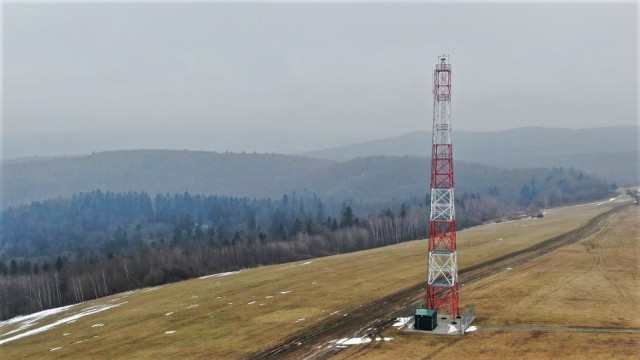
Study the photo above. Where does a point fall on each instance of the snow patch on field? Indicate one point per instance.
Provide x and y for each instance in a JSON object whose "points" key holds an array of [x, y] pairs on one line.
{"points": [[151, 289], [170, 332], [97, 325], [401, 321], [85, 312], [30, 320], [471, 328], [285, 292], [344, 342], [307, 263], [219, 274], [169, 313]]}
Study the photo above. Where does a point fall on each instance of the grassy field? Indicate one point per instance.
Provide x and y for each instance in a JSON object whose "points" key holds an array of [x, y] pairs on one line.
{"points": [[590, 284], [235, 315]]}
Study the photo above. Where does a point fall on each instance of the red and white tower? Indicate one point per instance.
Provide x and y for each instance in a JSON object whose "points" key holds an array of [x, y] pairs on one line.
{"points": [[442, 285]]}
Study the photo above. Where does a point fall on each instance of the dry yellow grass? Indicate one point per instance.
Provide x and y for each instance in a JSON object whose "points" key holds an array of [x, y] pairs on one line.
{"points": [[592, 283], [493, 345], [253, 310]]}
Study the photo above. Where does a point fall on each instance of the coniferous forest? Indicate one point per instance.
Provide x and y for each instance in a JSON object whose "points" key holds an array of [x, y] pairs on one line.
{"points": [[93, 244]]}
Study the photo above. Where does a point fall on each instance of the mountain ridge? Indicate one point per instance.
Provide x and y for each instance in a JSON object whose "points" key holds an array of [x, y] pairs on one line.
{"points": [[519, 148], [370, 179]]}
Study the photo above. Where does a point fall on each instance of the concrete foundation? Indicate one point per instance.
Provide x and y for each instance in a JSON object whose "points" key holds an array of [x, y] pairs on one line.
{"points": [[445, 327]]}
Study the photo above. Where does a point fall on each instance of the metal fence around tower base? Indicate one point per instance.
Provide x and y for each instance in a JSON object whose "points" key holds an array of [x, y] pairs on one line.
{"points": [[468, 316]]}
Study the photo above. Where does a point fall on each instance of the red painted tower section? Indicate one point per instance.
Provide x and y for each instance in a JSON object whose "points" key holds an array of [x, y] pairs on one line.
{"points": [[442, 285]]}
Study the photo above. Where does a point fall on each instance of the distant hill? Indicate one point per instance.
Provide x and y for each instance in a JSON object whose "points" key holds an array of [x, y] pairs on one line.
{"points": [[370, 179], [611, 152]]}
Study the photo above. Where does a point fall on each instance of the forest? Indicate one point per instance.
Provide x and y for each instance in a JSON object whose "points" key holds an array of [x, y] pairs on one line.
{"points": [[93, 244]]}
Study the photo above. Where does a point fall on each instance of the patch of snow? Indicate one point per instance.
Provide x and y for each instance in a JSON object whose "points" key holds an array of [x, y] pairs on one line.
{"points": [[151, 289], [31, 319], [192, 306], [78, 342], [170, 332], [66, 334], [219, 297], [509, 268], [194, 296], [251, 303], [57, 348], [85, 312], [356, 341], [612, 199], [230, 303], [268, 297], [169, 313], [471, 328], [307, 263], [401, 321], [301, 319], [285, 292], [353, 341], [500, 239], [220, 274], [97, 325], [261, 304]]}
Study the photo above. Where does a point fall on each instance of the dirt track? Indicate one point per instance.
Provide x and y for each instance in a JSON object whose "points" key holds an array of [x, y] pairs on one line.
{"points": [[372, 318]]}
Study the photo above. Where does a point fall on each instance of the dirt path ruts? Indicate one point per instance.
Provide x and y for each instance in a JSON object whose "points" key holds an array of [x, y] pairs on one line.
{"points": [[561, 329], [370, 319]]}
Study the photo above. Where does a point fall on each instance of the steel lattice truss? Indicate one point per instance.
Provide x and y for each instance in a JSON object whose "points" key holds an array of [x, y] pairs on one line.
{"points": [[442, 285]]}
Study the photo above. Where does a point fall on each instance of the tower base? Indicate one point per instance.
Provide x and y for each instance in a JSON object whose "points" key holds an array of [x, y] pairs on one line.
{"points": [[443, 327], [427, 321]]}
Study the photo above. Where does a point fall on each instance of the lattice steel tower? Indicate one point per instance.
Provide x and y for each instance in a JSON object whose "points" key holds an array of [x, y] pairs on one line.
{"points": [[442, 285]]}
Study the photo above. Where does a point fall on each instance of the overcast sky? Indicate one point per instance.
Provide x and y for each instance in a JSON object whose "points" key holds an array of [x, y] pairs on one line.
{"points": [[249, 74]]}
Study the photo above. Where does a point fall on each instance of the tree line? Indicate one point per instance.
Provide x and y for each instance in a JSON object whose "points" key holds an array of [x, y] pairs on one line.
{"points": [[94, 244]]}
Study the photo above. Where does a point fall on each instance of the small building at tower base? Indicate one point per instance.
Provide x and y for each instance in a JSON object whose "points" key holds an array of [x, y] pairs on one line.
{"points": [[426, 319]]}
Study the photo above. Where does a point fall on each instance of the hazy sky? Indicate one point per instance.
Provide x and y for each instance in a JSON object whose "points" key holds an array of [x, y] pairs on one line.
{"points": [[250, 74]]}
